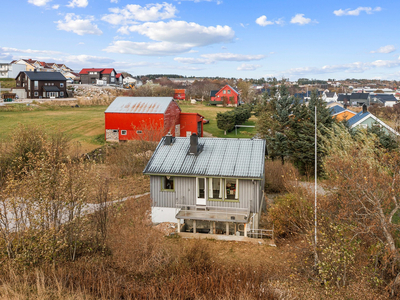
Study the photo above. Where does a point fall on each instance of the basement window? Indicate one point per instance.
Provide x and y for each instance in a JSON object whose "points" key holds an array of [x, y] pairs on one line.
{"points": [[167, 183], [123, 132], [139, 131]]}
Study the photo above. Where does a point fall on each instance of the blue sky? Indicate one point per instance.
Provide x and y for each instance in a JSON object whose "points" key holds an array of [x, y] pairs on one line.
{"points": [[227, 38]]}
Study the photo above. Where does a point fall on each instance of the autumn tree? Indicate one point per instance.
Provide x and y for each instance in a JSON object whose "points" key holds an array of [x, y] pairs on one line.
{"points": [[365, 189]]}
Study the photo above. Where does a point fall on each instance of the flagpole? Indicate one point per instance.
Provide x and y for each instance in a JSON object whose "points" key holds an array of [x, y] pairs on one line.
{"points": [[315, 189]]}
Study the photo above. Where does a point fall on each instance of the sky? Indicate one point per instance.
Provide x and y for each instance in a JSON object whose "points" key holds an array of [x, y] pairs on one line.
{"points": [[227, 38]]}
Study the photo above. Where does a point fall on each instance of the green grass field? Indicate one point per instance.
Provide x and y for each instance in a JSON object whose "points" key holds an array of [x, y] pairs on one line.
{"points": [[83, 124], [86, 124]]}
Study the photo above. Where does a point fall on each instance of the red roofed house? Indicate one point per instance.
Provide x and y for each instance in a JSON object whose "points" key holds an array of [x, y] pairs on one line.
{"points": [[90, 76], [119, 79], [149, 118], [228, 93]]}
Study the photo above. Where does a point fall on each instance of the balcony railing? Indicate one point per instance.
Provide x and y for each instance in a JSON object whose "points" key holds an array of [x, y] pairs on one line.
{"points": [[213, 213]]}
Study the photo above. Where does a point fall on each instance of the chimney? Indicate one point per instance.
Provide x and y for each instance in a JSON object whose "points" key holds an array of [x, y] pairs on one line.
{"points": [[168, 139], [365, 109], [194, 144]]}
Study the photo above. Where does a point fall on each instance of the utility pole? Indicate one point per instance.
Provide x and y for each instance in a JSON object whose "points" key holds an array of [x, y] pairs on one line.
{"points": [[315, 191]]}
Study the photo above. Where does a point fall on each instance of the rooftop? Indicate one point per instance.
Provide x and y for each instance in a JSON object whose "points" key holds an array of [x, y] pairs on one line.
{"points": [[148, 105], [220, 157]]}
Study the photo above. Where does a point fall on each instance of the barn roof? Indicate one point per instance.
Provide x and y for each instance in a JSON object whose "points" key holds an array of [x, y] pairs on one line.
{"points": [[146, 105], [220, 157]]}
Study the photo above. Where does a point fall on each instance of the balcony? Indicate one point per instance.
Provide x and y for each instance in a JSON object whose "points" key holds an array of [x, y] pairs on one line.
{"points": [[212, 213]]}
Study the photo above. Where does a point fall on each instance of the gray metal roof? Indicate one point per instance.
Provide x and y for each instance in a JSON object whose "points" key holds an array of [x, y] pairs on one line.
{"points": [[148, 105], [44, 75], [240, 158]]}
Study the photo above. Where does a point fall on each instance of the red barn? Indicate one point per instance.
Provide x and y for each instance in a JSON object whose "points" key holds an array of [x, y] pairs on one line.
{"points": [[229, 93], [148, 118]]}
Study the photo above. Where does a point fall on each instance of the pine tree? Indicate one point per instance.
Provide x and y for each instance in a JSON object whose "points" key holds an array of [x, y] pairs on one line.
{"points": [[226, 121], [302, 133]]}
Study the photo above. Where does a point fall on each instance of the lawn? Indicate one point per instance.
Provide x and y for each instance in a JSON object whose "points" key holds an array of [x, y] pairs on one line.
{"points": [[83, 124], [210, 113], [86, 124]]}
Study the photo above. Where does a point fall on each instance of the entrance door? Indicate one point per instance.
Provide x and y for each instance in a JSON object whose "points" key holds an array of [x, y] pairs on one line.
{"points": [[199, 129], [201, 189]]}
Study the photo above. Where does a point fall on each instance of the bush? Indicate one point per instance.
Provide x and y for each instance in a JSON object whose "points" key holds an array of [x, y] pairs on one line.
{"points": [[130, 157], [292, 214], [278, 176]]}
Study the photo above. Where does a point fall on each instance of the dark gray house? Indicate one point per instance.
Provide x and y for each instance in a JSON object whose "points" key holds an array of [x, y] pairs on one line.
{"points": [[40, 85], [208, 185], [91, 76]]}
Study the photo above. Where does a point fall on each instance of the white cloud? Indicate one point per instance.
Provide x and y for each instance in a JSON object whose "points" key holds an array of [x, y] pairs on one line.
{"points": [[142, 48], [39, 2], [182, 32], [197, 1], [232, 57], [262, 21], [78, 25], [356, 67], [57, 6], [215, 57], [192, 61], [78, 3], [29, 51], [385, 49], [86, 59], [248, 67], [114, 1], [356, 12], [133, 12], [301, 20]]}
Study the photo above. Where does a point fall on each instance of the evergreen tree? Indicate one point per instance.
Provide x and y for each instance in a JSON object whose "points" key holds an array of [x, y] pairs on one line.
{"points": [[226, 121], [302, 133]]}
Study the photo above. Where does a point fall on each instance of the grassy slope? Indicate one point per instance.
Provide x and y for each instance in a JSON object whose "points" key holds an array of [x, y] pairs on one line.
{"points": [[84, 124]]}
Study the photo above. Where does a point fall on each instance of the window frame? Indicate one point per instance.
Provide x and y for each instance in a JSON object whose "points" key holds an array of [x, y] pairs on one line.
{"points": [[163, 189], [224, 193], [124, 132]]}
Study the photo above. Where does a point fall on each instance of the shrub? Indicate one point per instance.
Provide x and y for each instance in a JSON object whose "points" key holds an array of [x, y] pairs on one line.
{"points": [[278, 176]]}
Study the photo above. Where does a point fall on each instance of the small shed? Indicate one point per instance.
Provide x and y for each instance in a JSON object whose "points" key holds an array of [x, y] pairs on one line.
{"points": [[148, 118]]}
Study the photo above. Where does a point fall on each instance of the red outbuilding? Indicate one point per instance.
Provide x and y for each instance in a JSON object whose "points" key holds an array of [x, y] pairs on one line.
{"points": [[227, 93], [180, 94], [148, 118]]}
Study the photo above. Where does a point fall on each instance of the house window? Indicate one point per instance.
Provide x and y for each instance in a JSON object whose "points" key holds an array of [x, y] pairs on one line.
{"points": [[36, 83], [231, 189], [112, 79], [167, 183], [229, 91], [215, 188], [52, 83], [36, 94], [61, 84], [224, 92], [61, 94], [364, 125], [123, 132], [139, 132]]}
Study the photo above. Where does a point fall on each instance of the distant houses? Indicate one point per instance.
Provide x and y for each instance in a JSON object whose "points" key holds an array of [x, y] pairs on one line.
{"points": [[340, 113], [226, 95]]}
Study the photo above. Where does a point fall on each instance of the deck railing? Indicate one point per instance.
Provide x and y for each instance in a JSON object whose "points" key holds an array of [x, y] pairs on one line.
{"points": [[261, 233]]}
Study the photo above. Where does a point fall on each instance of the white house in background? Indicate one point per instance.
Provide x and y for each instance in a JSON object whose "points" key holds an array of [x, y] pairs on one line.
{"points": [[8, 70], [329, 96], [131, 80], [4, 70]]}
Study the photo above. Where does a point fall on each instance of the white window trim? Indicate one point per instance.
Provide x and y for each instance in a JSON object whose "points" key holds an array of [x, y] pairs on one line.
{"points": [[124, 132]]}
